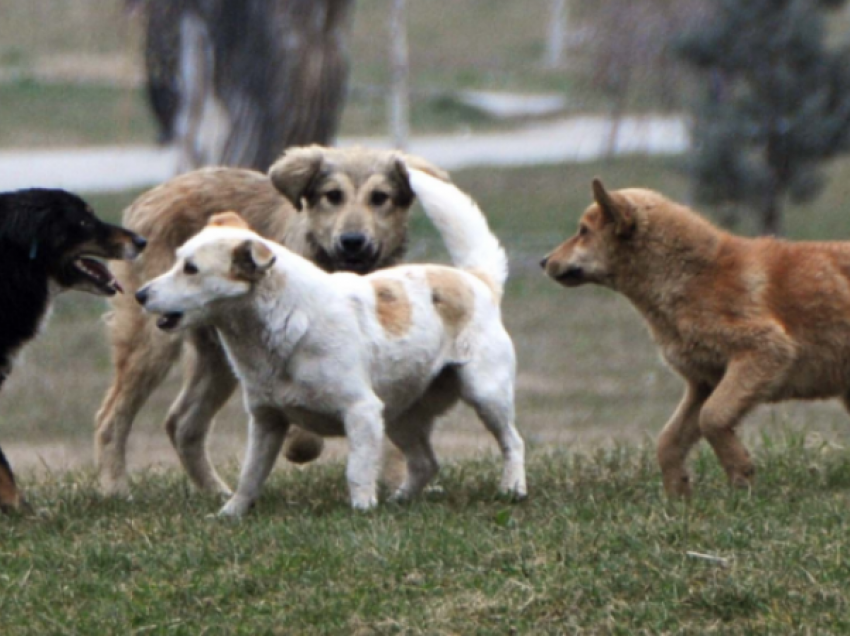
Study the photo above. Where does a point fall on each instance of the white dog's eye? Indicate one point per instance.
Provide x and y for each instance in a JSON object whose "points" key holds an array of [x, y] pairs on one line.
{"points": [[189, 268]]}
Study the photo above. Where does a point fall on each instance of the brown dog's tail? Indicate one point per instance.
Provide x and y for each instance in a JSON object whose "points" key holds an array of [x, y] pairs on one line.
{"points": [[10, 497]]}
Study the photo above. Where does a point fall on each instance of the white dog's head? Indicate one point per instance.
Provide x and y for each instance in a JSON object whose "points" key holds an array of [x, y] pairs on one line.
{"points": [[223, 261]]}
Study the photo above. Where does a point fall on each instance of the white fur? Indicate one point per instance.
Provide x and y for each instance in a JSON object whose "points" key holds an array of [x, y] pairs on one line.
{"points": [[308, 346]]}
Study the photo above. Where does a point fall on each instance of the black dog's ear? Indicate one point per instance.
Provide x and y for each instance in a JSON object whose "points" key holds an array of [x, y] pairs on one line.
{"points": [[251, 260], [296, 172]]}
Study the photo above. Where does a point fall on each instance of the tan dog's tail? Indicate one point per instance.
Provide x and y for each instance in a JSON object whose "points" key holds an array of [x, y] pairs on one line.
{"points": [[471, 244]]}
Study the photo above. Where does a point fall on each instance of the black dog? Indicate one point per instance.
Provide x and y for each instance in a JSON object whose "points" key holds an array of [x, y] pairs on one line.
{"points": [[49, 240]]}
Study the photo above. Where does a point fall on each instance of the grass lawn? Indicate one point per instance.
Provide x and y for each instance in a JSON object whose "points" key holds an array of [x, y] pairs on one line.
{"points": [[595, 549]]}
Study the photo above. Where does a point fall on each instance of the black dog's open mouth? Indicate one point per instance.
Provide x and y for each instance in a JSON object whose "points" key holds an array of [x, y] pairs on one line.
{"points": [[169, 321], [97, 273]]}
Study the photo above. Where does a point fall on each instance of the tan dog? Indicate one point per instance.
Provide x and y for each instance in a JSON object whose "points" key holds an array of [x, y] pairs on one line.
{"points": [[360, 356], [743, 321], [344, 209]]}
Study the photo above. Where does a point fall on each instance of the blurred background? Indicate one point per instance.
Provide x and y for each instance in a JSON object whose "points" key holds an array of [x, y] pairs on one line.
{"points": [[738, 107]]}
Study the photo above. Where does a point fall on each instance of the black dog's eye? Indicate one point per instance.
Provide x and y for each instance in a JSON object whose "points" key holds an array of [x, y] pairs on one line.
{"points": [[189, 268], [378, 198], [334, 197]]}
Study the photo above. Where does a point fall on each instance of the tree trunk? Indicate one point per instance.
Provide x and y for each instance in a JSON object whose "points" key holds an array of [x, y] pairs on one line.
{"points": [[771, 214], [400, 91], [556, 36]]}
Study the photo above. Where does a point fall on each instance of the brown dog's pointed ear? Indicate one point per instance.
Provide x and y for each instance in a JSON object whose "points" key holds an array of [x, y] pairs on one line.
{"points": [[251, 260], [228, 219], [615, 209], [296, 172]]}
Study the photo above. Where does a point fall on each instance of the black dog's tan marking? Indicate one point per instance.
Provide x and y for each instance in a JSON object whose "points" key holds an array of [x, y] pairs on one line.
{"points": [[50, 241]]}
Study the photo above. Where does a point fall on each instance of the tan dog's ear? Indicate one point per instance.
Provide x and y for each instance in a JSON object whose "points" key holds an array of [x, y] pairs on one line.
{"points": [[296, 171], [228, 219], [251, 260], [418, 163], [401, 176], [615, 209]]}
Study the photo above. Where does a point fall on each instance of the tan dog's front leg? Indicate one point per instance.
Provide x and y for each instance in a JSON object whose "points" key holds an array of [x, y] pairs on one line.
{"points": [[266, 431], [364, 428], [678, 438], [746, 383]]}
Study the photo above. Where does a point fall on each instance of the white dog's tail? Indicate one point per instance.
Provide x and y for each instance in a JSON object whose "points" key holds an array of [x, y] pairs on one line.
{"points": [[471, 244]]}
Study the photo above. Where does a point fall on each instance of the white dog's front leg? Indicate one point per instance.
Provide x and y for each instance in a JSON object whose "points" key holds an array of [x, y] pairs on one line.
{"points": [[266, 431], [364, 428]]}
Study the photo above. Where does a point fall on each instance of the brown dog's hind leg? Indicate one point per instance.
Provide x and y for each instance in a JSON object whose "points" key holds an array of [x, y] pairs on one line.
{"points": [[208, 384], [142, 357], [747, 382], [677, 439]]}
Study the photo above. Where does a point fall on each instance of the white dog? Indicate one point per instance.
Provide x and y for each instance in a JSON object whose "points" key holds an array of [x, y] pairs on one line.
{"points": [[345, 354]]}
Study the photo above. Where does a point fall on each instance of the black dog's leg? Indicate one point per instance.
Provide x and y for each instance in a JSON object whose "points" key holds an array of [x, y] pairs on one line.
{"points": [[10, 497]]}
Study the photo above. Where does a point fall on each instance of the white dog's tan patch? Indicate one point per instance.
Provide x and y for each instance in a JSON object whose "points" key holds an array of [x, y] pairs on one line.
{"points": [[392, 306], [452, 297], [228, 219]]}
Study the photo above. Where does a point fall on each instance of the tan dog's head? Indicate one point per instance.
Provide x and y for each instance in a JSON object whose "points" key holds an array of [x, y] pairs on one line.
{"points": [[591, 255], [223, 261], [356, 202]]}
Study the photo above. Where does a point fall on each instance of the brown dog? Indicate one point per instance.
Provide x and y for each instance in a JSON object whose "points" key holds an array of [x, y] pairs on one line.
{"points": [[743, 321], [344, 209]]}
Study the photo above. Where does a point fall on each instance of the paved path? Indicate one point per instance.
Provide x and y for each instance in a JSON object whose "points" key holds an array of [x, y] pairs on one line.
{"points": [[577, 139]]}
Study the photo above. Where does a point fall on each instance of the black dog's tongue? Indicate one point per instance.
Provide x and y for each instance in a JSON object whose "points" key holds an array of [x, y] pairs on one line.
{"points": [[100, 273]]}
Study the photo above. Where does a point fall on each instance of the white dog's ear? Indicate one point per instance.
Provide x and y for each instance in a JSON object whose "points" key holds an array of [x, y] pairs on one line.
{"points": [[251, 260], [615, 209], [296, 172]]}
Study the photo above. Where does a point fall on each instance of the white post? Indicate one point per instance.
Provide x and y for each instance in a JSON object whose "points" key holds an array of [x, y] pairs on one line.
{"points": [[556, 37], [399, 91]]}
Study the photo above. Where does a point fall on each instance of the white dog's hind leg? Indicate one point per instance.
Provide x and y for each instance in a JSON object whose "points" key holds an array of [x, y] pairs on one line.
{"points": [[266, 431], [488, 386], [364, 428]]}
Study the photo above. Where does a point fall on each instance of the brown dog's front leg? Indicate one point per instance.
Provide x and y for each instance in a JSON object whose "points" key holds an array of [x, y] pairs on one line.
{"points": [[678, 438], [747, 382]]}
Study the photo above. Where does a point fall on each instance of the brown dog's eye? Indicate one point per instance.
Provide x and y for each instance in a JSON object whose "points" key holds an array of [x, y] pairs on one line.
{"points": [[378, 198], [334, 197], [189, 268], [582, 230]]}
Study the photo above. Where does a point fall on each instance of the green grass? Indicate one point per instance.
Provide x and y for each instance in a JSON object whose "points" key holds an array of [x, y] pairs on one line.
{"points": [[594, 549]]}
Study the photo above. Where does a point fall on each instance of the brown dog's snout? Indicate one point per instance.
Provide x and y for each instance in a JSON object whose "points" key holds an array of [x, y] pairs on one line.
{"points": [[544, 261]]}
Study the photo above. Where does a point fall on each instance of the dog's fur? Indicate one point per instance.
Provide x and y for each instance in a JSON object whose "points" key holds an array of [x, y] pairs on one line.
{"points": [[49, 240], [345, 209], [343, 354], [743, 321]]}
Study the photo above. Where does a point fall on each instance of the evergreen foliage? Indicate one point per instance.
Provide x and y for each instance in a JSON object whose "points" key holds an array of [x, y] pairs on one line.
{"points": [[776, 103]]}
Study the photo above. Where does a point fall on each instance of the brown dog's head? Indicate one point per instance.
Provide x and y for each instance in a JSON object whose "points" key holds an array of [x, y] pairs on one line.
{"points": [[356, 202], [590, 255]]}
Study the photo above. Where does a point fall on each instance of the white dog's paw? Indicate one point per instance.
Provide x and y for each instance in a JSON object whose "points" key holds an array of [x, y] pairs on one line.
{"points": [[364, 503]]}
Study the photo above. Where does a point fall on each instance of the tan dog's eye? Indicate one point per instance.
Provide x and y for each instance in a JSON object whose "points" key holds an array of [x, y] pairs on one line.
{"points": [[189, 268], [334, 197], [378, 198]]}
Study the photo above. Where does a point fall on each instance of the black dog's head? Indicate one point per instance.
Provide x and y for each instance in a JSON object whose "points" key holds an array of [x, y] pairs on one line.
{"points": [[59, 231]]}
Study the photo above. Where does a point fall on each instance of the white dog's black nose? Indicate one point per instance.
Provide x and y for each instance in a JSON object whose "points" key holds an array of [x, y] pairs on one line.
{"points": [[142, 296]]}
